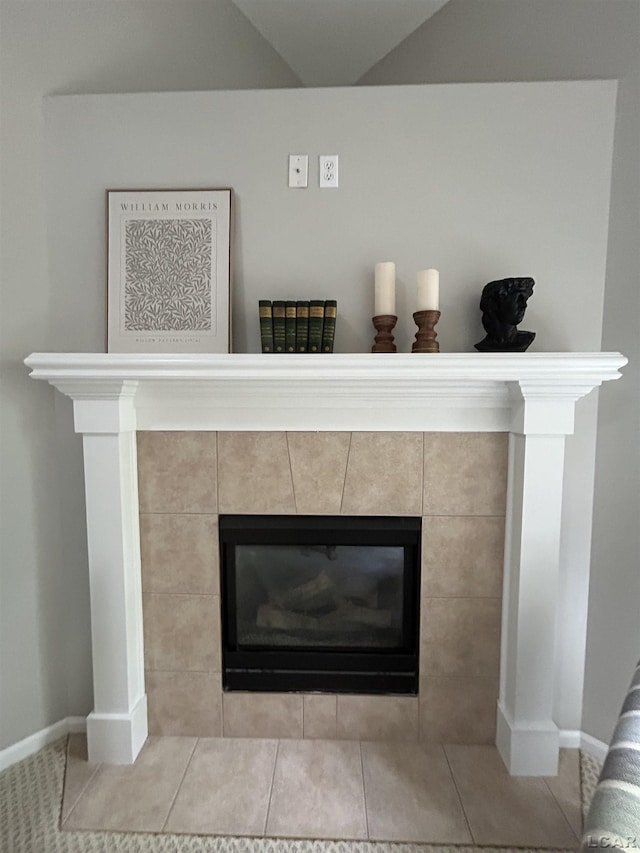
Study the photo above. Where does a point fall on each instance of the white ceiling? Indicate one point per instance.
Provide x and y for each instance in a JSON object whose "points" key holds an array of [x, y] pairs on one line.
{"points": [[334, 42]]}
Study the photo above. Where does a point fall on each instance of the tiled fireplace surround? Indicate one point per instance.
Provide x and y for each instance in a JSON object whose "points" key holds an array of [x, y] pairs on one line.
{"points": [[428, 434], [455, 481]]}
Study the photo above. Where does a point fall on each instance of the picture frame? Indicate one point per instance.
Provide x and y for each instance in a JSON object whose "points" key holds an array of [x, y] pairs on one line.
{"points": [[169, 270]]}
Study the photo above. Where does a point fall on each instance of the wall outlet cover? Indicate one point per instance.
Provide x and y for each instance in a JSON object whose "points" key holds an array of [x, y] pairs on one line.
{"points": [[328, 170]]}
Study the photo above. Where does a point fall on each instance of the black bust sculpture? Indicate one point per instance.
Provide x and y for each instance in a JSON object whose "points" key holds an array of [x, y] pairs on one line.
{"points": [[503, 304]]}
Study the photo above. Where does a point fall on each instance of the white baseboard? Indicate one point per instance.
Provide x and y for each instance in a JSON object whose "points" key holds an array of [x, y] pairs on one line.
{"points": [[570, 738], [26, 747], [77, 725], [596, 748]]}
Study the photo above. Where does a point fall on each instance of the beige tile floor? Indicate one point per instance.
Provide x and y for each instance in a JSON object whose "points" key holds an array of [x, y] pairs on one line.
{"points": [[324, 789]]}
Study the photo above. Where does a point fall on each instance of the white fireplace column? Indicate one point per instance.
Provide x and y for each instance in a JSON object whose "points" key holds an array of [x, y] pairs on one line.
{"points": [[532, 396], [117, 726], [527, 737]]}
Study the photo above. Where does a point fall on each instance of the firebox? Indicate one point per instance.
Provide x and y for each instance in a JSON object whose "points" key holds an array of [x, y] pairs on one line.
{"points": [[320, 603]]}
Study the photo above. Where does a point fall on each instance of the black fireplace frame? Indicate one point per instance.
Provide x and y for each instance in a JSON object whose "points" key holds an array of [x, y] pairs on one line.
{"points": [[335, 669]]}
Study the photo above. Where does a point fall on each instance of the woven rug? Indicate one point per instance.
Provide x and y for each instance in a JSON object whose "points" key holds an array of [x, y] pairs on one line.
{"points": [[31, 796]]}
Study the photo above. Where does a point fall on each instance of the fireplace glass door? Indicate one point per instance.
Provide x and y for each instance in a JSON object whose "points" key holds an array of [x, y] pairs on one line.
{"points": [[320, 603]]}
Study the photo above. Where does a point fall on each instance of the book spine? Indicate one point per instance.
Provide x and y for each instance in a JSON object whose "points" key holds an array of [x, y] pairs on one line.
{"points": [[290, 326], [265, 313], [316, 322], [302, 325], [329, 330], [279, 333]]}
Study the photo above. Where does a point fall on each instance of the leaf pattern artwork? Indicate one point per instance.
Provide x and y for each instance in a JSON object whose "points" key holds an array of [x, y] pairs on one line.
{"points": [[168, 275]]}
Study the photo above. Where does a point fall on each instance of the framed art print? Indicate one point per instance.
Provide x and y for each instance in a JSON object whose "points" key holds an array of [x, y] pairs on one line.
{"points": [[169, 270]]}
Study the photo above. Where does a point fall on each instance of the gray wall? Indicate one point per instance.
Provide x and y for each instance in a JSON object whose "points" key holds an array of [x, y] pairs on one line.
{"points": [[45, 47], [451, 199], [491, 40]]}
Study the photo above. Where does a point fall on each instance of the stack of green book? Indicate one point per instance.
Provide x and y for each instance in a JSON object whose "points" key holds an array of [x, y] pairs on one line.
{"points": [[287, 325]]}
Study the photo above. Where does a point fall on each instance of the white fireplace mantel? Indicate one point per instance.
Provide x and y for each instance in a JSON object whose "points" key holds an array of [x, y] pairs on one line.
{"points": [[457, 391], [530, 395]]}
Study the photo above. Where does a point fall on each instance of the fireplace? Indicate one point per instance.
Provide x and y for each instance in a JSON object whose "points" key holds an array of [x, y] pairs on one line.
{"points": [[320, 603], [449, 414]]}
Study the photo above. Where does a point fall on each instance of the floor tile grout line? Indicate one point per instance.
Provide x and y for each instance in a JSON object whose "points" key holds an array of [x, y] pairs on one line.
{"points": [[496, 599], [188, 672], [422, 478], [175, 796], [424, 514], [293, 482], [190, 594], [455, 785], [453, 676], [559, 805], [364, 793], [82, 792], [80, 795], [273, 776], [462, 515], [217, 442], [181, 513], [346, 471]]}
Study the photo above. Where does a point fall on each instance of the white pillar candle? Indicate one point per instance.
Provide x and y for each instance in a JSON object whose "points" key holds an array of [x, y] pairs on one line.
{"points": [[385, 288], [428, 290]]}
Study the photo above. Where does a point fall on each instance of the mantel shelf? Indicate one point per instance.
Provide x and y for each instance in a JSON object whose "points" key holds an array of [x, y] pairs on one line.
{"points": [[339, 391], [404, 368]]}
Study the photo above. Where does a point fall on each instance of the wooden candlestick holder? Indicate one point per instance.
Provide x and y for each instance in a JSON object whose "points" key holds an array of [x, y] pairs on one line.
{"points": [[384, 323], [426, 335]]}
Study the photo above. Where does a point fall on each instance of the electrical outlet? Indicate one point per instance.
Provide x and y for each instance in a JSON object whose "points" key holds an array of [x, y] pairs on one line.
{"points": [[328, 170], [298, 171]]}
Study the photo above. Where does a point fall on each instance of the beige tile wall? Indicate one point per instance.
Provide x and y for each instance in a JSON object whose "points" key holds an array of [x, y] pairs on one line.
{"points": [[455, 481]]}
